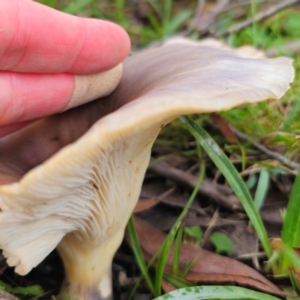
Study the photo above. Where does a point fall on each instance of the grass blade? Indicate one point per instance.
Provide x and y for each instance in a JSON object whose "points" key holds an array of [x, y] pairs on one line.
{"points": [[188, 267], [138, 253], [177, 281], [169, 240], [177, 251], [262, 188], [233, 178], [163, 259]]}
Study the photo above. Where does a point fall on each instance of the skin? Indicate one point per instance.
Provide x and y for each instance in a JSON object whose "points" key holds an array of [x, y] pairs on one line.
{"points": [[42, 48]]}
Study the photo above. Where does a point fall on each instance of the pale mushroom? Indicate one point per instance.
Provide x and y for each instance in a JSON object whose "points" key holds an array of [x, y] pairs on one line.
{"points": [[72, 180]]}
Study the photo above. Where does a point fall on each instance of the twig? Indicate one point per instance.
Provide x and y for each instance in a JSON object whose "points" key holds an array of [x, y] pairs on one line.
{"points": [[221, 194], [251, 255], [265, 150], [259, 17], [255, 260], [209, 229]]}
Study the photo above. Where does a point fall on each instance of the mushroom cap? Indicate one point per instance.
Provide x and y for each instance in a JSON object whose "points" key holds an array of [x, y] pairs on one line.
{"points": [[77, 176]]}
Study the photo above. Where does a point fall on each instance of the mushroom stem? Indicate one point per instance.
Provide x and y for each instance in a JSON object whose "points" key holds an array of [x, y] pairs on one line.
{"points": [[88, 268]]}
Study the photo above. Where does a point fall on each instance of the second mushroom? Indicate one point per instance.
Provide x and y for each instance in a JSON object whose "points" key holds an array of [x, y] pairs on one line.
{"points": [[72, 180]]}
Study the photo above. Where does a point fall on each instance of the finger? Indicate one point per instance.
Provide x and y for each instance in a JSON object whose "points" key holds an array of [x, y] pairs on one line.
{"points": [[26, 96], [36, 38]]}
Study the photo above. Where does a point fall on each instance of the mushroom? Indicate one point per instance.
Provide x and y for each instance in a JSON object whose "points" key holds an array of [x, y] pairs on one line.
{"points": [[72, 180]]}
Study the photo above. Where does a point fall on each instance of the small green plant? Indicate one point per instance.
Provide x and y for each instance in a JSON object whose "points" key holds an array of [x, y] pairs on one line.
{"points": [[194, 232], [222, 243]]}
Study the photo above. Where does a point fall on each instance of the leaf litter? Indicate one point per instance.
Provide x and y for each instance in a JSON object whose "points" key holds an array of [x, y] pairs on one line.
{"points": [[220, 269]]}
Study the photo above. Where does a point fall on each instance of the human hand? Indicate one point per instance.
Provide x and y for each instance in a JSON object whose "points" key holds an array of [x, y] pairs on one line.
{"points": [[41, 50]]}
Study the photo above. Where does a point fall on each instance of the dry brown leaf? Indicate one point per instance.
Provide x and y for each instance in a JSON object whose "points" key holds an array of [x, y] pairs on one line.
{"points": [[209, 268]]}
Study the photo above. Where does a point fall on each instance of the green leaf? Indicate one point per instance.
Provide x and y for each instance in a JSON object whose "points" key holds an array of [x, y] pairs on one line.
{"points": [[222, 242], [194, 232], [215, 292], [233, 178]]}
